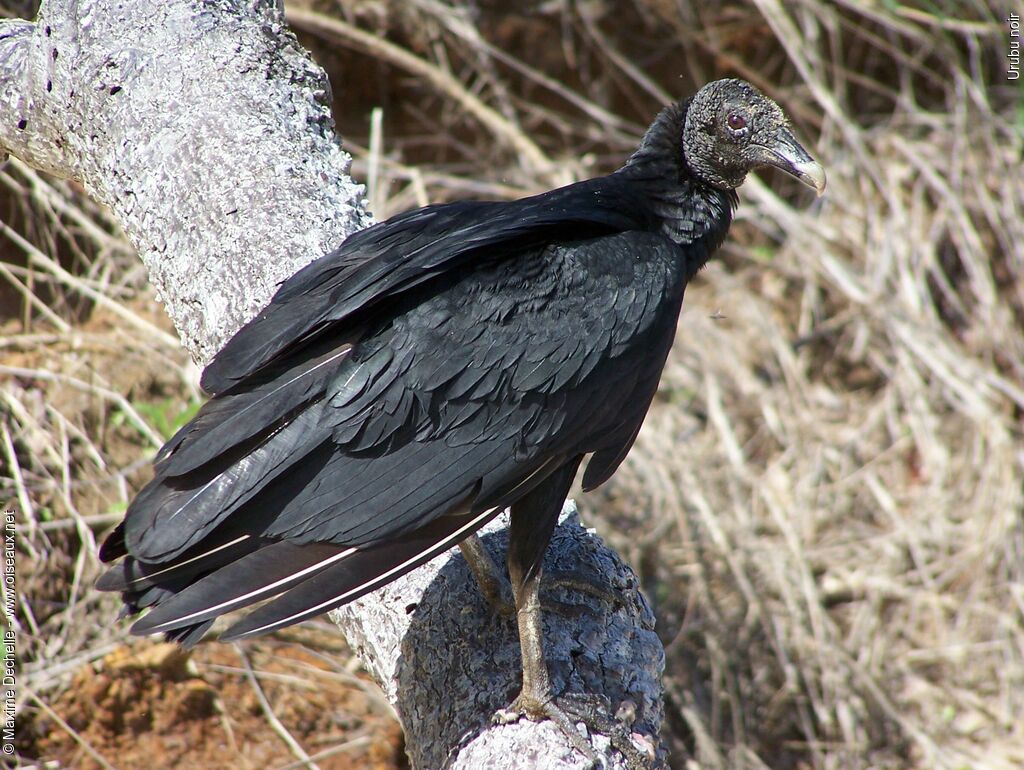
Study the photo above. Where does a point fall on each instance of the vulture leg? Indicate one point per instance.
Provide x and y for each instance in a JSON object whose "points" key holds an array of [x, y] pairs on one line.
{"points": [[497, 590], [493, 584], [534, 517], [533, 521]]}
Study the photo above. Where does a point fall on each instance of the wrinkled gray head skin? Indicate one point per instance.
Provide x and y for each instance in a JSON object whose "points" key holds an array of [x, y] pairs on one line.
{"points": [[731, 128]]}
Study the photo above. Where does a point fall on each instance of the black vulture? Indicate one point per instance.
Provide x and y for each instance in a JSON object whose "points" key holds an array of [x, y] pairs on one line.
{"points": [[436, 368]]}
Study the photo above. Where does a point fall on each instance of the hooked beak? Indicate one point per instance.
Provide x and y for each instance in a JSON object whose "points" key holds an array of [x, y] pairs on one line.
{"points": [[787, 155]]}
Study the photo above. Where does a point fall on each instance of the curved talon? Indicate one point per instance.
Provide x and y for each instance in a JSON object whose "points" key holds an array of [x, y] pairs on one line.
{"points": [[538, 710], [566, 712], [593, 711]]}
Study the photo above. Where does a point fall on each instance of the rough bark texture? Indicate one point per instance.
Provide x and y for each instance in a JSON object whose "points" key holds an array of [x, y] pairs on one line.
{"points": [[448, 662], [206, 128]]}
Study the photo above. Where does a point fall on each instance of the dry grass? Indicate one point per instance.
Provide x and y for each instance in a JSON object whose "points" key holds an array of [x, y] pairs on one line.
{"points": [[826, 502]]}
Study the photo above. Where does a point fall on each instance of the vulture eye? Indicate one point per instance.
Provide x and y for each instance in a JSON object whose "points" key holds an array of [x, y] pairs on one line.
{"points": [[736, 122]]}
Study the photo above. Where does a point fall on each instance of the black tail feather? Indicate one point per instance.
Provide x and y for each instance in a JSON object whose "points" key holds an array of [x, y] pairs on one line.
{"points": [[132, 575], [258, 575], [365, 570], [188, 636], [308, 579], [113, 547]]}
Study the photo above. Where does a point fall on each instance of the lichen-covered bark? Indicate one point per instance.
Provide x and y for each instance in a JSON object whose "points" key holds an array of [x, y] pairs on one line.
{"points": [[206, 129], [204, 126]]}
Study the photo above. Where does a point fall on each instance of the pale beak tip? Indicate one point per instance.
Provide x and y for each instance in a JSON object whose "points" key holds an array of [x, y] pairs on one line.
{"points": [[812, 174]]}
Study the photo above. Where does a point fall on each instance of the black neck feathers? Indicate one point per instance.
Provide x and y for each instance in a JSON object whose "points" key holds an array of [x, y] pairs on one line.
{"points": [[691, 213]]}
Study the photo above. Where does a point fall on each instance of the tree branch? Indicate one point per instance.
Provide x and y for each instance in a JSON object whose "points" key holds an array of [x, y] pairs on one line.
{"points": [[206, 128]]}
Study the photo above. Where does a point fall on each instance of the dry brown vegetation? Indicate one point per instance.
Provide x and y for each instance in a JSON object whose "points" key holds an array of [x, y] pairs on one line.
{"points": [[826, 501]]}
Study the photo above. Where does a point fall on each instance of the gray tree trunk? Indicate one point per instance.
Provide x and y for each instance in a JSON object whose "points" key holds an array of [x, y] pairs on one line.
{"points": [[206, 128]]}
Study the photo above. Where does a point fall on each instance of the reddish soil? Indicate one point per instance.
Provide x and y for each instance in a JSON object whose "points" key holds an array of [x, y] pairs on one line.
{"points": [[152, 706]]}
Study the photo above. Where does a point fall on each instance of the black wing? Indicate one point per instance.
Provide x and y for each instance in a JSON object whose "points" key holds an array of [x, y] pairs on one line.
{"points": [[342, 464], [407, 250]]}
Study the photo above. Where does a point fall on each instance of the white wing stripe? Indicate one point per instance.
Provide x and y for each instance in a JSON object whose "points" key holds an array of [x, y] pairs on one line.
{"points": [[226, 606], [179, 564], [304, 373], [435, 548]]}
